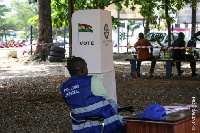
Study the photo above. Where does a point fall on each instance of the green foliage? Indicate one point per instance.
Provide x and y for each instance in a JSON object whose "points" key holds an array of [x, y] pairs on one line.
{"points": [[167, 56], [60, 9], [129, 44], [151, 27], [3, 10], [18, 21], [173, 7], [60, 13], [161, 27], [8, 54], [115, 22], [33, 20], [35, 57], [149, 6], [24, 11], [27, 14]]}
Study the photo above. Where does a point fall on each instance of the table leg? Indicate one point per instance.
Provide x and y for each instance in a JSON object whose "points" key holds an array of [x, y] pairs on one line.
{"points": [[168, 68], [133, 69]]}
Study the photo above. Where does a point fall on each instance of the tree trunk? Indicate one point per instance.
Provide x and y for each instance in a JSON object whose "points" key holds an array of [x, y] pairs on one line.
{"points": [[169, 28], [45, 29], [168, 22], [146, 30], [70, 10], [193, 21]]}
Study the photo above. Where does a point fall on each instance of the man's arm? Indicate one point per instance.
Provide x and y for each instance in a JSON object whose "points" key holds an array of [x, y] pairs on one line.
{"points": [[197, 39], [98, 88], [183, 50], [136, 44], [197, 34], [149, 44]]}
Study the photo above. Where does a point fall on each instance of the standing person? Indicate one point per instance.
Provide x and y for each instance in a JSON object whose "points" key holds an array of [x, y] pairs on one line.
{"points": [[179, 54], [86, 96], [143, 53], [192, 54]]}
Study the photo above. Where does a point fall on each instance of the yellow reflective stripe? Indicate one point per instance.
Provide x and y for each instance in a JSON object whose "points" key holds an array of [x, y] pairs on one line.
{"points": [[86, 124], [90, 107], [95, 123]]}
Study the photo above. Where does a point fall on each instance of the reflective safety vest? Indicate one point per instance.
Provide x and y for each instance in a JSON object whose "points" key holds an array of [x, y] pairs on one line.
{"points": [[190, 52], [77, 93]]}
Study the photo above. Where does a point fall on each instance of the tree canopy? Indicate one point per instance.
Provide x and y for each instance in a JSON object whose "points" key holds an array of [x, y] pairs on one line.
{"points": [[60, 12], [169, 7], [3, 10], [25, 12], [60, 8], [18, 16]]}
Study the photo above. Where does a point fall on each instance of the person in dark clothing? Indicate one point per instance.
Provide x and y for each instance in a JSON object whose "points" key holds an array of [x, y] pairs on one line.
{"points": [[197, 34], [192, 54], [179, 54]]}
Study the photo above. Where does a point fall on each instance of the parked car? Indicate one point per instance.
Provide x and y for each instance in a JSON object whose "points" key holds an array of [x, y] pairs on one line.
{"points": [[162, 37], [27, 49]]}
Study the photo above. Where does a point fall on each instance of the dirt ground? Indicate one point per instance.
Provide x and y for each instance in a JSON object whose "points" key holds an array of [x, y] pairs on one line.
{"points": [[31, 100]]}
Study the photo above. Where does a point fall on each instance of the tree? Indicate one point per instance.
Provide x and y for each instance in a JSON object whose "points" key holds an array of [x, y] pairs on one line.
{"points": [[147, 11], [3, 10], [22, 11], [45, 29], [63, 9], [193, 17], [171, 7]]}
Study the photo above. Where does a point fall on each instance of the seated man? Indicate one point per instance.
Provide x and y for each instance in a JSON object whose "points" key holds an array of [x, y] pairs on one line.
{"points": [[192, 54], [179, 54], [86, 96], [143, 53]]}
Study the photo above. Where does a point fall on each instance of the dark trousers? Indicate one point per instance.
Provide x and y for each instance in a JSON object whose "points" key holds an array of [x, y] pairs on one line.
{"points": [[192, 65], [178, 67], [178, 64], [153, 64]]}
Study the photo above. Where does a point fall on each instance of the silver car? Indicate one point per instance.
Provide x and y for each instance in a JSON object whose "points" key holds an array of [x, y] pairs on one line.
{"points": [[157, 52]]}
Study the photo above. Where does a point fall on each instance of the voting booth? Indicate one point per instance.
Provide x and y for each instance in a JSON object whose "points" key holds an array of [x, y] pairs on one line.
{"points": [[92, 41]]}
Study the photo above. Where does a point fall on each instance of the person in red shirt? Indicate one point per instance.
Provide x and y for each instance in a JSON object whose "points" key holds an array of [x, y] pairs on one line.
{"points": [[143, 53]]}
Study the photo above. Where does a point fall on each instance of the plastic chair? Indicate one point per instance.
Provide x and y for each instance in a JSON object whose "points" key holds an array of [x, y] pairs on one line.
{"points": [[100, 118]]}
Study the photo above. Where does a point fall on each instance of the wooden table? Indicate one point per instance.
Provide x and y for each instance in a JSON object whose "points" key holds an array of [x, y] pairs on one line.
{"points": [[177, 122]]}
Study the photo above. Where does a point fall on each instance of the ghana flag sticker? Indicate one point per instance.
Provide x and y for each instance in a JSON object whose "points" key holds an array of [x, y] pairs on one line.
{"points": [[84, 28]]}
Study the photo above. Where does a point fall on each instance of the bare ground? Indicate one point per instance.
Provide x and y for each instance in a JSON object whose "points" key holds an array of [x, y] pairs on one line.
{"points": [[31, 100]]}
